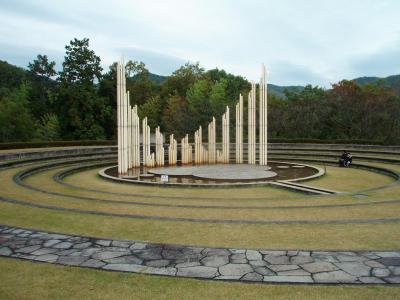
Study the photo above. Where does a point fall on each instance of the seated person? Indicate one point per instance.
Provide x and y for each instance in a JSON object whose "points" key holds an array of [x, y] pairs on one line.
{"points": [[349, 159], [345, 159]]}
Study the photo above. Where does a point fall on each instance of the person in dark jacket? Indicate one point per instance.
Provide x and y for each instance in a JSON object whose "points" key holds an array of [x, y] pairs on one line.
{"points": [[345, 159], [349, 159]]}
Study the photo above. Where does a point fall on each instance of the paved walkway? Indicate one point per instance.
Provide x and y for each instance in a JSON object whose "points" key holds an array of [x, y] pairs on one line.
{"points": [[297, 266], [234, 172]]}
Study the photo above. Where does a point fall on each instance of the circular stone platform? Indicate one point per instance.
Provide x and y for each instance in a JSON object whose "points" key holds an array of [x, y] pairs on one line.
{"points": [[219, 172], [220, 175]]}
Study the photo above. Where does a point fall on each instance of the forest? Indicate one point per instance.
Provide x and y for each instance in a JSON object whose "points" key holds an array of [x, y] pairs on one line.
{"points": [[79, 102]]}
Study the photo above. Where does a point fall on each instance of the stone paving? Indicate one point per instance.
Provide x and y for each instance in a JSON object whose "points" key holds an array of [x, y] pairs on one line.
{"points": [[290, 266], [218, 172]]}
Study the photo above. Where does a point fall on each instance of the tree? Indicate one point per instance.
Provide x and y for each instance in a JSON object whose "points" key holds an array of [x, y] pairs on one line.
{"points": [[108, 91], [42, 67], [278, 120], [181, 80], [41, 72], [235, 84], [176, 118], [138, 82], [344, 115], [199, 103], [152, 110], [305, 114], [16, 121], [390, 117], [11, 77], [49, 128], [83, 113], [81, 65], [218, 98], [136, 69]]}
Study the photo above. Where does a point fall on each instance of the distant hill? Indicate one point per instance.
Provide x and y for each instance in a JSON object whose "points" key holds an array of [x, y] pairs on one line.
{"points": [[158, 79], [280, 90], [390, 81], [272, 88], [11, 76]]}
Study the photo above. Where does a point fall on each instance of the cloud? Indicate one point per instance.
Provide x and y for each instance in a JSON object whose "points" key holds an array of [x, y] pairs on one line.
{"points": [[380, 63], [36, 10], [158, 63], [21, 56], [288, 73], [301, 42]]}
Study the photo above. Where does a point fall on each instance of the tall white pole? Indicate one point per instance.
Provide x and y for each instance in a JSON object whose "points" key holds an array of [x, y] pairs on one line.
{"points": [[126, 132], [227, 136], [263, 119], [252, 125], [211, 142], [261, 128], [172, 151], [241, 128], [119, 118], [265, 116], [145, 146]]}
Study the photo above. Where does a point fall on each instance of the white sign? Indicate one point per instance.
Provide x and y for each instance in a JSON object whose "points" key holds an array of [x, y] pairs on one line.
{"points": [[164, 178]]}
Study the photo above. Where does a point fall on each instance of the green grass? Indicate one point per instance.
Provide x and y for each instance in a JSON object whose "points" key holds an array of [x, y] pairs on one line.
{"points": [[352, 236], [27, 280], [349, 179], [270, 196], [44, 180], [362, 236]]}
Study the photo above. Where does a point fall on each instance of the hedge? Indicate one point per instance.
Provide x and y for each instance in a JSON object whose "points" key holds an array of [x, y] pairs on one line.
{"points": [[317, 141], [22, 145]]}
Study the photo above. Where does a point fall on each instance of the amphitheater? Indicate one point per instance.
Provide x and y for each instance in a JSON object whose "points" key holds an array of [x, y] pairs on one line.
{"points": [[342, 227]]}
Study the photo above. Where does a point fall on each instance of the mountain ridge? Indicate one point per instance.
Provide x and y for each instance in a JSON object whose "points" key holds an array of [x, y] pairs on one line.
{"points": [[392, 81], [14, 75]]}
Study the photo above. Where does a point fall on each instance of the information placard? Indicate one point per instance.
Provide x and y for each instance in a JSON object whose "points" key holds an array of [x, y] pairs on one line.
{"points": [[164, 178]]}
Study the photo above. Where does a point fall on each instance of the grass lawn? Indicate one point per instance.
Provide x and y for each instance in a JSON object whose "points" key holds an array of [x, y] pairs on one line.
{"points": [[352, 236], [28, 280], [350, 179], [361, 236], [267, 196], [44, 181]]}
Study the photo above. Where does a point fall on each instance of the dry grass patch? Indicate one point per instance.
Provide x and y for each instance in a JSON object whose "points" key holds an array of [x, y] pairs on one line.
{"points": [[27, 280], [352, 236], [350, 179]]}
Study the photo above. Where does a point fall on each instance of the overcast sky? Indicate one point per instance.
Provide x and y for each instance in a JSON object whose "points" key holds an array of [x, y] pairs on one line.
{"points": [[301, 42]]}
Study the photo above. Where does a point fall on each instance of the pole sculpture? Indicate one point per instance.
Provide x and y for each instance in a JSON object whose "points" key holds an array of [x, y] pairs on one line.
{"points": [[252, 125], [128, 131], [186, 151], [263, 119], [148, 157], [172, 151], [159, 147], [122, 116], [225, 137], [135, 138], [128, 126], [211, 142], [239, 131], [200, 153], [119, 128], [128, 123]]}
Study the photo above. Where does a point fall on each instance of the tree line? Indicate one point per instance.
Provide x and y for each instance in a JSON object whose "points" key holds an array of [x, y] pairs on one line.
{"points": [[79, 102]]}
